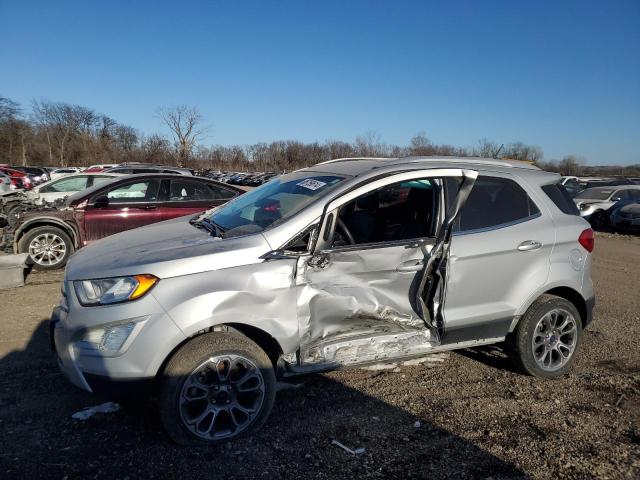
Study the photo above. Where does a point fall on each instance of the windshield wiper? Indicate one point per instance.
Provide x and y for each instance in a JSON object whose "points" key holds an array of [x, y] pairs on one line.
{"points": [[209, 225]]}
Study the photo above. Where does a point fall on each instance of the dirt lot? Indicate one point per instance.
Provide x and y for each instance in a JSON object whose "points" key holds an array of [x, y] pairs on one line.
{"points": [[477, 417]]}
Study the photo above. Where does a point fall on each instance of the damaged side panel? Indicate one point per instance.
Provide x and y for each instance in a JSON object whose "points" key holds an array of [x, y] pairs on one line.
{"points": [[260, 295], [363, 304], [358, 306]]}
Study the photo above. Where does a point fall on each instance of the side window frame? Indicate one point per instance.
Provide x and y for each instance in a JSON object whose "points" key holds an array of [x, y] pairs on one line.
{"points": [[109, 188], [328, 223]]}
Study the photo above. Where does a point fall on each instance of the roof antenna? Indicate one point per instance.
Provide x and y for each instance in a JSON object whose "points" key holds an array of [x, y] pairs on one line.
{"points": [[495, 155]]}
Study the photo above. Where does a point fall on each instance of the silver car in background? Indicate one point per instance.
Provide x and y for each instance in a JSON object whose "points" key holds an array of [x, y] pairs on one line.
{"points": [[594, 203], [350, 262]]}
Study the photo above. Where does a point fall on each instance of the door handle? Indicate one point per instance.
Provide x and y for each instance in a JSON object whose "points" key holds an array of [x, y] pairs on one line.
{"points": [[149, 207], [410, 266], [529, 245]]}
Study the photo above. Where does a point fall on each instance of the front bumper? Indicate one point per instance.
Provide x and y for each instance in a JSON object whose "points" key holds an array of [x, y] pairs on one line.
{"points": [[91, 382], [62, 346], [129, 372]]}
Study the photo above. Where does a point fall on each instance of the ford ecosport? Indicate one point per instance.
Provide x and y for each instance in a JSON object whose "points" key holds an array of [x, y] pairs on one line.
{"points": [[349, 262]]}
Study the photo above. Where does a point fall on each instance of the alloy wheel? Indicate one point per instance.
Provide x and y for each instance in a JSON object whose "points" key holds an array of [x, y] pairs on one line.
{"points": [[221, 397], [554, 339], [47, 249]]}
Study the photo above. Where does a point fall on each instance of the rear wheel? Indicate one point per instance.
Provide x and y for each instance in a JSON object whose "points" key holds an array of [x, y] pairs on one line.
{"points": [[217, 387], [547, 337], [48, 247]]}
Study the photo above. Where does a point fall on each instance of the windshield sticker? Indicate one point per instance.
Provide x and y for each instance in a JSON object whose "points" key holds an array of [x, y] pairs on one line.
{"points": [[311, 184]]}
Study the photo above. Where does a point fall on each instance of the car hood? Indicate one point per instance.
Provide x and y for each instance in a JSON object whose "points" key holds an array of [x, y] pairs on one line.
{"points": [[165, 249], [591, 201]]}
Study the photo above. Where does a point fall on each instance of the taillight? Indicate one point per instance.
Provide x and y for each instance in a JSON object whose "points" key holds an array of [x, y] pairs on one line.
{"points": [[587, 240]]}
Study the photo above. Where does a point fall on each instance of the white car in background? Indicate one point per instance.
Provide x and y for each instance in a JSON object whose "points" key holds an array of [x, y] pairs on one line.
{"points": [[62, 172], [595, 203], [60, 188], [5, 183]]}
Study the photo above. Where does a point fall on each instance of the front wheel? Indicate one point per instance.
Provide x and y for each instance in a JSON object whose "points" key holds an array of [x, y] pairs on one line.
{"points": [[547, 337], [217, 387], [48, 247]]}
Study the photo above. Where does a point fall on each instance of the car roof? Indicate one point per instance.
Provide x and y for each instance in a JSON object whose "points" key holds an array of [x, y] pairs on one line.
{"points": [[363, 165], [90, 174], [120, 178]]}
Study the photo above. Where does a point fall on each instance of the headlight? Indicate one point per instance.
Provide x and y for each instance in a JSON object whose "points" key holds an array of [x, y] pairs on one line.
{"points": [[106, 340], [113, 290]]}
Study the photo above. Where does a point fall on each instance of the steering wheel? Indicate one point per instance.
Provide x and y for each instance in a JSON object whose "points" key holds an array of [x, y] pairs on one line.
{"points": [[345, 231]]}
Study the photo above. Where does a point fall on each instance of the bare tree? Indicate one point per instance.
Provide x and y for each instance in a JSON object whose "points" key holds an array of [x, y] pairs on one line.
{"points": [[570, 165], [370, 144], [485, 148], [186, 126]]}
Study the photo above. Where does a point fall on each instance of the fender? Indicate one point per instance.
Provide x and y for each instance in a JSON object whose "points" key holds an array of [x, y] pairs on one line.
{"points": [[43, 221]]}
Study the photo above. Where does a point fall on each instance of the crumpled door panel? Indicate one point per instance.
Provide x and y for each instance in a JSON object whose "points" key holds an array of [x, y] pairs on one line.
{"points": [[357, 307]]}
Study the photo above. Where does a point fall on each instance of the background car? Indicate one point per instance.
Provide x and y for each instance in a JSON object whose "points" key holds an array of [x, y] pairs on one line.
{"points": [[131, 201], [37, 175], [19, 180], [5, 183], [61, 172], [138, 168], [595, 203], [60, 188], [571, 185], [625, 216], [101, 167]]}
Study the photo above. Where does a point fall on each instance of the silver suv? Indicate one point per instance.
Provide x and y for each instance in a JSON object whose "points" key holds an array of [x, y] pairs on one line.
{"points": [[349, 262]]}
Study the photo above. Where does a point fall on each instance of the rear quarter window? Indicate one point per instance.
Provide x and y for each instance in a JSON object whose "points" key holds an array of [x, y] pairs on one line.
{"points": [[561, 198], [495, 202]]}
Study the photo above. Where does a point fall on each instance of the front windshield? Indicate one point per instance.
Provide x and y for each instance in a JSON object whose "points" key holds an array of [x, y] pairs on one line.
{"points": [[272, 203], [595, 193]]}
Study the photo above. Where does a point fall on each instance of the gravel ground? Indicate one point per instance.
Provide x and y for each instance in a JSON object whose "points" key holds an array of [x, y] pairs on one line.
{"points": [[467, 416]]}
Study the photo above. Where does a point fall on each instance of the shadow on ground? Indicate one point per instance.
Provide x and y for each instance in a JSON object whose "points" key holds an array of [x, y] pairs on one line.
{"points": [[41, 439]]}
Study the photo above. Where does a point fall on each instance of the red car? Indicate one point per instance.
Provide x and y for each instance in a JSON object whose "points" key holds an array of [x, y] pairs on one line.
{"points": [[51, 236], [18, 179]]}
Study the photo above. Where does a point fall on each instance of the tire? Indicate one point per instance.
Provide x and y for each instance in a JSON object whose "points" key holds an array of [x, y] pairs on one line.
{"points": [[532, 339], [12, 210], [59, 244], [599, 219], [192, 373]]}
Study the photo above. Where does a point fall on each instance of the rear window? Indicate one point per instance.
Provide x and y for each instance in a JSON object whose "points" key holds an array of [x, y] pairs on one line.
{"points": [[561, 198]]}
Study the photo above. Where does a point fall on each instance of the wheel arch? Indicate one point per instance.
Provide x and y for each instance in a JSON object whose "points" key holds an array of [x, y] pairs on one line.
{"points": [[260, 337], [568, 293], [575, 298], [44, 222]]}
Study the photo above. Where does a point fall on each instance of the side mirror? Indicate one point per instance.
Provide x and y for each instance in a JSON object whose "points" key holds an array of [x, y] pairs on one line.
{"points": [[615, 199], [277, 255], [101, 202]]}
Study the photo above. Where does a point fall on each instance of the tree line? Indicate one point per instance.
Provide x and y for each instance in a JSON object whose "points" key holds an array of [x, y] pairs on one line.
{"points": [[60, 134]]}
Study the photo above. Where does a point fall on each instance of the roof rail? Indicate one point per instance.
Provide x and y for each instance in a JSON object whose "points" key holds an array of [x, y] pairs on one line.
{"points": [[416, 159], [355, 158]]}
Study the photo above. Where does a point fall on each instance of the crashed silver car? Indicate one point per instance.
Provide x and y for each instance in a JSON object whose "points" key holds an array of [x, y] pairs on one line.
{"points": [[350, 262]]}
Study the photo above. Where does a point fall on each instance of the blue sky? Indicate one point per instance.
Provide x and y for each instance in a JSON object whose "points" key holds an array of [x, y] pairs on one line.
{"points": [[559, 74]]}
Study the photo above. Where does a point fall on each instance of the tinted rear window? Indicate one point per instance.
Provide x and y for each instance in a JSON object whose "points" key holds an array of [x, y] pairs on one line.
{"points": [[561, 198], [495, 202]]}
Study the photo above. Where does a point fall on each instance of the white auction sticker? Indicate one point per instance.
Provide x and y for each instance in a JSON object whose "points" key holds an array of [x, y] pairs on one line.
{"points": [[311, 184]]}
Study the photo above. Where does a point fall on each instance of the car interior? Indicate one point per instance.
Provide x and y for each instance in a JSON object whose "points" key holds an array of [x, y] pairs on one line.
{"points": [[401, 211]]}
